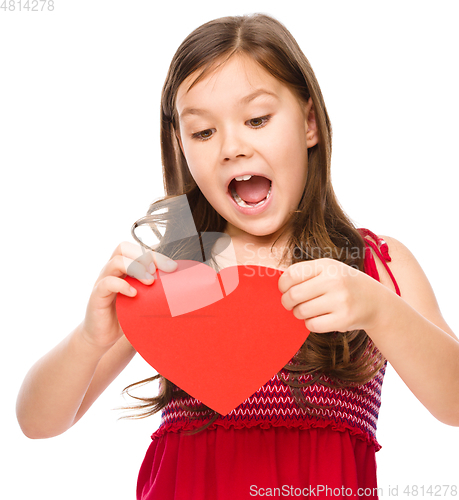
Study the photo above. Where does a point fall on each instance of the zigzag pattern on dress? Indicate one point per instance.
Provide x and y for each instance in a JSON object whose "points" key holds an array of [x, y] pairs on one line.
{"points": [[354, 408]]}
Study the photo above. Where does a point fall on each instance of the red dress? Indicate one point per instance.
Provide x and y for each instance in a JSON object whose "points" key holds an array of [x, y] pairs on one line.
{"points": [[268, 445]]}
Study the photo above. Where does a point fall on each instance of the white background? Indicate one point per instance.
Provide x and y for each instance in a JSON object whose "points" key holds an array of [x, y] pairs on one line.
{"points": [[80, 162]]}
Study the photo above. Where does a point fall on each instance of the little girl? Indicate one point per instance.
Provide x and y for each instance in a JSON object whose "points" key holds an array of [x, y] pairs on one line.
{"points": [[246, 138]]}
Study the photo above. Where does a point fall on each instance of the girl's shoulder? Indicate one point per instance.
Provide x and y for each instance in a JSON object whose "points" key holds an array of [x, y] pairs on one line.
{"points": [[413, 284], [400, 261], [387, 253]]}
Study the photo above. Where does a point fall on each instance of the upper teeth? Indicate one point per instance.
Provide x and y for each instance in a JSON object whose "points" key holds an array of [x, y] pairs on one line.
{"points": [[243, 177]]}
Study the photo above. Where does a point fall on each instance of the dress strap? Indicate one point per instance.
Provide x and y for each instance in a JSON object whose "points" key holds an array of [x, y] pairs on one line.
{"points": [[382, 251]]}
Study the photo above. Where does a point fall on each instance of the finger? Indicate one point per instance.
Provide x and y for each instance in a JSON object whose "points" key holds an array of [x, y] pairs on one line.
{"points": [[149, 259], [163, 262], [322, 324], [111, 285], [312, 308], [302, 292], [120, 266], [133, 250], [297, 273]]}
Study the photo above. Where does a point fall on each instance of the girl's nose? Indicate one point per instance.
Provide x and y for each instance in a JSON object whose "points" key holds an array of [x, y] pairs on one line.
{"points": [[235, 145]]}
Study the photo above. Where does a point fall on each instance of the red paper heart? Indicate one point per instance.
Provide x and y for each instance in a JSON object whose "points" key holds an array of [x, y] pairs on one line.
{"points": [[223, 352]]}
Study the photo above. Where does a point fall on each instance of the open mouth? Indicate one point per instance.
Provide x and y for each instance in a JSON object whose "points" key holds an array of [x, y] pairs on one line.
{"points": [[250, 191]]}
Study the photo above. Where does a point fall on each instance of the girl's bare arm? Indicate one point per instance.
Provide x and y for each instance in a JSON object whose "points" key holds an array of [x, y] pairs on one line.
{"points": [[110, 366], [62, 385]]}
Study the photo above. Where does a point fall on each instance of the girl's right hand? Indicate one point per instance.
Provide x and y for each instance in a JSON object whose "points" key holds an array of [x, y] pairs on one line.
{"points": [[100, 326]]}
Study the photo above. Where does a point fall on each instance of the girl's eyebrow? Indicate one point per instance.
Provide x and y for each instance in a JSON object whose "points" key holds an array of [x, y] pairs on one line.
{"points": [[245, 100]]}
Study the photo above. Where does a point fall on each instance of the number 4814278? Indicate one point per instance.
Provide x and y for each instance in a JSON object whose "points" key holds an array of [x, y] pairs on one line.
{"points": [[33, 5]]}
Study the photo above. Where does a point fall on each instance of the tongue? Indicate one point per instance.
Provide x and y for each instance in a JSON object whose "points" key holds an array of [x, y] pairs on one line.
{"points": [[253, 190]]}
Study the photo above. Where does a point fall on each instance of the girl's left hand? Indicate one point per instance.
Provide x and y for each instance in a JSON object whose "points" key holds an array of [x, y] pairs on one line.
{"points": [[330, 295]]}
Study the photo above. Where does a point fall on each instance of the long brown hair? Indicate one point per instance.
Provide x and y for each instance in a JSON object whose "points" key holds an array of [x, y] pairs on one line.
{"points": [[319, 227]]}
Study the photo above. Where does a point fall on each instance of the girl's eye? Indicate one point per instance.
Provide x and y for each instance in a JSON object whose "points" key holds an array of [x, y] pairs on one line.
{"points": [[254, 123], [259, 122], [204, 135]]}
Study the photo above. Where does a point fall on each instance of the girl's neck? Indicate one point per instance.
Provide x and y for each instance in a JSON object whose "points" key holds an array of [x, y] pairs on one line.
{"points": [[249, 249]]}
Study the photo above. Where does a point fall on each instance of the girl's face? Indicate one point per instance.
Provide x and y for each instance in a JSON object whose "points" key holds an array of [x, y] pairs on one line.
{"points": [[240, 121]]}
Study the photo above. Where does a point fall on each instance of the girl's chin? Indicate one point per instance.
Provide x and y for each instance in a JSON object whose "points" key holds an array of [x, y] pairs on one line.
{"points": [[258, 229]]}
